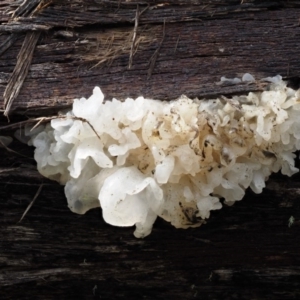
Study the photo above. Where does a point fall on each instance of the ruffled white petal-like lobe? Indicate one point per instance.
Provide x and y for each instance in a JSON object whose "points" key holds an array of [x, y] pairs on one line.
{"points": [[127, 196]]}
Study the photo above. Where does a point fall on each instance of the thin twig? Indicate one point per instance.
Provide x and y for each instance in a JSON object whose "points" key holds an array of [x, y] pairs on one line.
{"points": [[156, 53], [86, 121], [44, 120], [22, 123], [31, 203], [136, 24], [144, 10], [38, 123], [134, 45]]}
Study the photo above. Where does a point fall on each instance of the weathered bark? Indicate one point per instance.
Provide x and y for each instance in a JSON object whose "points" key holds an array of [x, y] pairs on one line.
{"points": [[202, 42], [247, 251]]}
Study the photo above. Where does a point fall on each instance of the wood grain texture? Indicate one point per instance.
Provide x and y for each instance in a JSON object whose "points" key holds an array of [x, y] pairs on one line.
{"points": [[247, 251], [194, 55]]}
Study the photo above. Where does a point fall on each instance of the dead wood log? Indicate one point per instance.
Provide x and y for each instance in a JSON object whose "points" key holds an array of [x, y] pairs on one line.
{"points": [[248, 251]]}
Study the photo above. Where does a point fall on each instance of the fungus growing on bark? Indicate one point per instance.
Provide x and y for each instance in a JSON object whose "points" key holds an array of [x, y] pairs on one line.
{"points": [[144, 158]]}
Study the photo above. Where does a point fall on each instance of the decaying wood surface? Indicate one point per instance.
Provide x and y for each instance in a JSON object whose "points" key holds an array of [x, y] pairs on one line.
{"points": [[88, 43], [248, 251]]}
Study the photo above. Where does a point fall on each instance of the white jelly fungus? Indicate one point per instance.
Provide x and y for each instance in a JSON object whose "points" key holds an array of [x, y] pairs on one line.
{"points": [[143, 158]]}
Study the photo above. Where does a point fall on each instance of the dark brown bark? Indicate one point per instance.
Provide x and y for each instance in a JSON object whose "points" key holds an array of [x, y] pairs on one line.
{"points": [[247, 251], [202, 43]]}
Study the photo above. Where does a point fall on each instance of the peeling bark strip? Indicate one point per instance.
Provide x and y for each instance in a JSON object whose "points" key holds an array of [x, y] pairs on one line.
{"points": [[21, 69]]}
